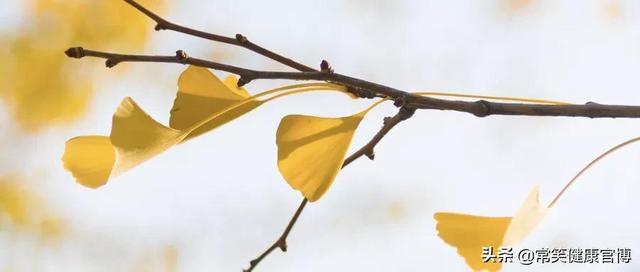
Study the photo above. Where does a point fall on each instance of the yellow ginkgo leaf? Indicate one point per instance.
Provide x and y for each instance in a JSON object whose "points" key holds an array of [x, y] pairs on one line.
{"points": [[135, 138], [311, 150], [201, 94], [16, 202], [26, 210], [90, 159], [470, 233], [203, 102]]}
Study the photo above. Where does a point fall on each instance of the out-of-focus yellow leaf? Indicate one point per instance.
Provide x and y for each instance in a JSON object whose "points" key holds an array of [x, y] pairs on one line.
{"points": [[41, 86], [469, 233], [515, 6], [52, 228], [135, 137], [170, 259], [311, 150], [15, 201], [27, 211], [201, 94], [155, 260]]}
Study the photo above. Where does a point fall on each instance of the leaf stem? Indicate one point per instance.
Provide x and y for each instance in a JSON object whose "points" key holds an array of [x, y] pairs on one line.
{"points": [[290, 90], [589, 165], [502, 98]]}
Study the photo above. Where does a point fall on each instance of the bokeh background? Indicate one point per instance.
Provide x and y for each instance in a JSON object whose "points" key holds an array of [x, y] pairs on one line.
{"points": [[216, 202]]}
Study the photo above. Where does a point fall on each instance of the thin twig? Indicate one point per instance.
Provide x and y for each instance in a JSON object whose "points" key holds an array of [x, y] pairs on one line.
{"points": [[404, 113], [480, 108], [238, 40], [282, 240], [241, 41]]}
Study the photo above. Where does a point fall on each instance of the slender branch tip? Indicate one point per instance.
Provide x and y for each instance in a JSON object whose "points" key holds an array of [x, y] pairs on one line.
{"points": [[75, 52]]}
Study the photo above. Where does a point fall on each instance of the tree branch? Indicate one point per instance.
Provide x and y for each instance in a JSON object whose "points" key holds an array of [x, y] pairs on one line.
{"points": [[404, 113], [407, 102], [480, 108], [282, 241], [238, 40]]}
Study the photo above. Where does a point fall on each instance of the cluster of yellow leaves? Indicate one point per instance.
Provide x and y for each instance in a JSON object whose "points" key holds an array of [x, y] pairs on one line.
{"points": [[136, 137], [39, 85], [310, 149], [21, 209]]}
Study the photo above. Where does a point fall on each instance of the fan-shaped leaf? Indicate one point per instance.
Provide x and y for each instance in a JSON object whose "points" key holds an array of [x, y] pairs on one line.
{"points": [[90, 159], [311, 150], [469, 233], [201, 94], [135, 138]]}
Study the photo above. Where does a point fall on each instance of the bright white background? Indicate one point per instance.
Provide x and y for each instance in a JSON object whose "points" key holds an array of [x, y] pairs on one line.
{"points": [[219, 199]]}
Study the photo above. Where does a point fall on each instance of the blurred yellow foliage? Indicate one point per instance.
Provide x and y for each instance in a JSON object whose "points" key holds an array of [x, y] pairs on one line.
{"points": [[515, 6], [22, 209], [14, 201], [613, 10], [165, 261], [40, 85]]}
